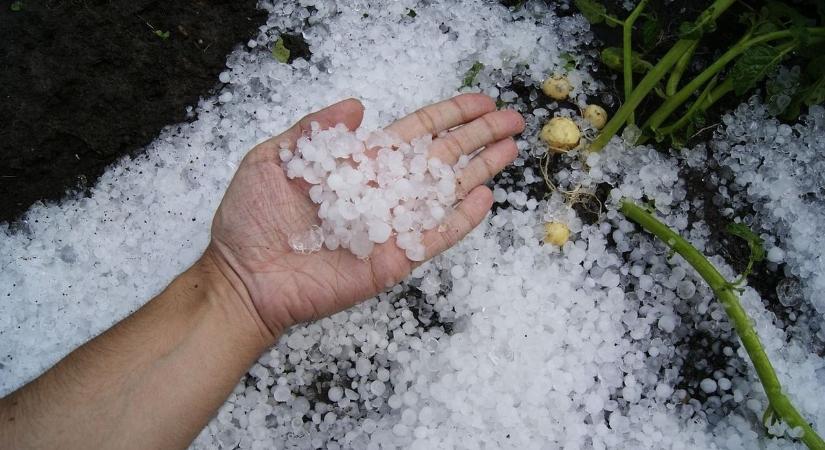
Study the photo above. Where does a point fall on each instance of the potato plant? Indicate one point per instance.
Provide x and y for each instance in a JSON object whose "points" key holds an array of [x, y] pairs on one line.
{"points": [[774, 33]]}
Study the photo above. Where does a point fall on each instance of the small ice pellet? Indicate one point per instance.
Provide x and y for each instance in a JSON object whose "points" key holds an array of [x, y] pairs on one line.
{"points": [[708, 385], [383, 374], [685, 289], [379, 232], [394, 401], [415, 253], [363, 366], [335, 394], [724, 384], [499, 195], [667, 323], [309, 241], [377, 388], [776, 255], [457, 272], [281, 394]]}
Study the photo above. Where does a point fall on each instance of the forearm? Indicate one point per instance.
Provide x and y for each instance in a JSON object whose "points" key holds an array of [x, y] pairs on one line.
{"points": [[152, 381]]}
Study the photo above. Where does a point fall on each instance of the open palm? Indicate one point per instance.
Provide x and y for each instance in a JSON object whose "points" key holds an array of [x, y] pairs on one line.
{"points": [[262, 208]]}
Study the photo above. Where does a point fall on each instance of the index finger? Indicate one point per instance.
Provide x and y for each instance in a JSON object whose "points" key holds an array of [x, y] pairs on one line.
{"points": [[441, 116], [350, 112], [466, 216]]}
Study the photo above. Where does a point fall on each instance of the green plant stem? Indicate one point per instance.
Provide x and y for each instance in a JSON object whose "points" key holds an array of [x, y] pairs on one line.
{"points": [[679, 70], [613, 20], [652, 78], [627, 51], [645, 86], [726, 295], [718, 92], [697, 107], [666, 109], [709, 96]]}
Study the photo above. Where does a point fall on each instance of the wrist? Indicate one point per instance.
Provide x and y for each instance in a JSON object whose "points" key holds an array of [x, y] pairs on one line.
{"points": [[226, 288]]}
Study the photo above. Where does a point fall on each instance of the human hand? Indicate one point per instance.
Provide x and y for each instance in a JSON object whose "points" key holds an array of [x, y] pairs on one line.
{"points": [[262, 208]]}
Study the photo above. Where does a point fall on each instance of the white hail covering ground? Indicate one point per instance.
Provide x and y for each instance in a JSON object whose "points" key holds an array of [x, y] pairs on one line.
{"points": [[779, 169], [578, 347]]}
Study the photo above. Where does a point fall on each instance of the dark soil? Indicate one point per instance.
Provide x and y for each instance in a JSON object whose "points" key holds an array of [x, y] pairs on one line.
{"points": [[85, 82]]}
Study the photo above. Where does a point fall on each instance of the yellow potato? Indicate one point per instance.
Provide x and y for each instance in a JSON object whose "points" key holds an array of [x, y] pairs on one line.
{"points": [[557, 88], [596, 115], [561, 134], [556, 233]]}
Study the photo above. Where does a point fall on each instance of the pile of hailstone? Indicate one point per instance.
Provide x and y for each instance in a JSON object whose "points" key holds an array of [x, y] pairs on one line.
{"points": [[369, 185]]}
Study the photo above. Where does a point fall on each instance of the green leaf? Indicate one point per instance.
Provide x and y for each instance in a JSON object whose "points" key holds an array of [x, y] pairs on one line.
{"points": [[280, 52], [813, 92], [765, 27], [569, 61], [801, 34], [754, 64], [755, 243], [689, 30], [651, 30], [162, 34], [810, 91], [784, 15], [592, 11], [699, 120], [16, 6], [515, 6], [703, 24], [470, 76], [775, 16], [595, 12], [769, 417], [612, 58]]}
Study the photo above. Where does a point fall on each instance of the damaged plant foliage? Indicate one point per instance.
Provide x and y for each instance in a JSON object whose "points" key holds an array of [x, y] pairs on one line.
{"points": [[774, 33]]}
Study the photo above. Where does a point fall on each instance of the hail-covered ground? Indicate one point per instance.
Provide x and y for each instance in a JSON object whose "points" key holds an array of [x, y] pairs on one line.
{"points": [[502, 342]]}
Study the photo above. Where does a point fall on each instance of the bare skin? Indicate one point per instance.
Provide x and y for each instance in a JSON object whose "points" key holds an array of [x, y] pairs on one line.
{"points": [[155, 379]]}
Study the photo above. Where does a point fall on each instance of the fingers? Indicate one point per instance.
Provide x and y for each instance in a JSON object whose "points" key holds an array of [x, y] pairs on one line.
{"points": [[489, 128], [442, 116], [469, 213], [350, 112], [486, 165]]}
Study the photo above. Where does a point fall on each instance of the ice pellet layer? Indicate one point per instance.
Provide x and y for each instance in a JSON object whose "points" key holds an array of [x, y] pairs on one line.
{"points": [[502, 342], [778, 168], [370, 186]]}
